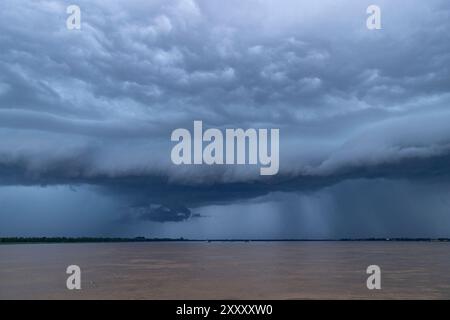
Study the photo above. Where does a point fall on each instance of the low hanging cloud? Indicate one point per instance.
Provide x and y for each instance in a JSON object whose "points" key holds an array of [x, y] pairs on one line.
{"points": [[97, 105]]}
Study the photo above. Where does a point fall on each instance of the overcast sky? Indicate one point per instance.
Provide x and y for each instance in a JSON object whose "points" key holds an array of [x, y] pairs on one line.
{"points": [[86, 117]]}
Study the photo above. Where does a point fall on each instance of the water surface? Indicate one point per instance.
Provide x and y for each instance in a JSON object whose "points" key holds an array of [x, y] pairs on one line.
{"points": [[261, 270]]}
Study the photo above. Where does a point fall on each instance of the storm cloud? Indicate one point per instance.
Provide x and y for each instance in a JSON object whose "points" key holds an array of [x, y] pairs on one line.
{"points": [[96, 106]]}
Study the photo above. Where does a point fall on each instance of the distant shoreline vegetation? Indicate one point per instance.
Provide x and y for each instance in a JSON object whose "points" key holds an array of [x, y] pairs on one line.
{"points": [[18, 240]]}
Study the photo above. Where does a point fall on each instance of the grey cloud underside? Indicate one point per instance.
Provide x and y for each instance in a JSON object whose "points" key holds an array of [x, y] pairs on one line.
{"points": [[141, 191], [97, 106]]}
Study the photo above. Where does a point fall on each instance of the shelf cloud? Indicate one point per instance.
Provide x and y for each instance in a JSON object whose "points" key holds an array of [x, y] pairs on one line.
{"points": [[96, 106]]}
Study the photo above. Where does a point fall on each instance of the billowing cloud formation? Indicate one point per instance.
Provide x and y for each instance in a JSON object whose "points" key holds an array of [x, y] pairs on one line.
{"points": [[97, 105]]}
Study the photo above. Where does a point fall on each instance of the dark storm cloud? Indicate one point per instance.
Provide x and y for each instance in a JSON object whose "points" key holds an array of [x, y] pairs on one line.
{"points": [[96, 106], [160, 213]]}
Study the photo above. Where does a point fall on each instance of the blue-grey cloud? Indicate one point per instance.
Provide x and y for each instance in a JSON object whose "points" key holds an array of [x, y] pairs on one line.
{"points": [[96, 106]]}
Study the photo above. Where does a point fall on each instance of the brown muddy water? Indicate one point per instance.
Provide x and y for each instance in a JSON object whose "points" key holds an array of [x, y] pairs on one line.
{"points": [[224, 270]]}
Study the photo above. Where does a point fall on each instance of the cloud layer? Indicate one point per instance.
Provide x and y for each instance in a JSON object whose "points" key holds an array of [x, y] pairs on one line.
{"points": [[96, 106]]}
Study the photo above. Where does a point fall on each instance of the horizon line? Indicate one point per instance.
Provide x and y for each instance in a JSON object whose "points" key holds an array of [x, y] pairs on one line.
{"points": [[5, 240]]}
